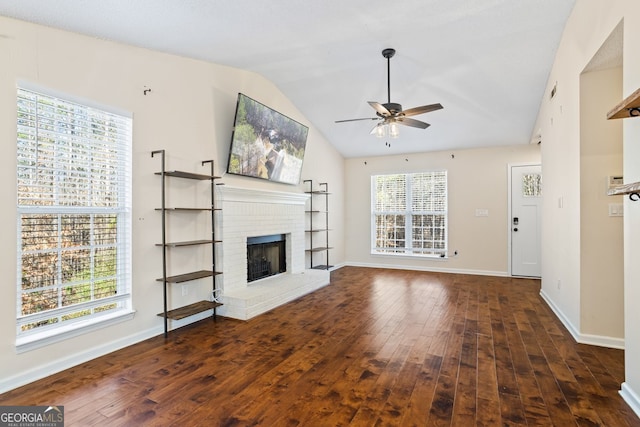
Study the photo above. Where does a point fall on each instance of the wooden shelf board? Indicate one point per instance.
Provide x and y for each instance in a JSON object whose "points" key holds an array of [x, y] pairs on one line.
{"points": [[634, 187], [319, 249], [317, 230], [186, 209], [187, 243], [317, 192], [189, 276], [623, 109], [188, 175], [190, 310]]}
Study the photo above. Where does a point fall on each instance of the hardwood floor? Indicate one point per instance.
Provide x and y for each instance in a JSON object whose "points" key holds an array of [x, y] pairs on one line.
{"points": [[376, 347]]}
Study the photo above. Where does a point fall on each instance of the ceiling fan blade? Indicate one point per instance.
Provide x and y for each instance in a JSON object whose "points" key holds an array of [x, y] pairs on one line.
{"points": [[380, 109], [412, 122], [421, 110], [355, 120]]}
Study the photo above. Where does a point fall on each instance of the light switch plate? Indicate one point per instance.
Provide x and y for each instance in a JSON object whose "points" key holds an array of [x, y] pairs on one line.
{"points": [[616, 209]]}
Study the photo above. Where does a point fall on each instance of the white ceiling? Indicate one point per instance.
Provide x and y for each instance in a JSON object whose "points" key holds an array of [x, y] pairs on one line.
{"points": [[485, 61]]}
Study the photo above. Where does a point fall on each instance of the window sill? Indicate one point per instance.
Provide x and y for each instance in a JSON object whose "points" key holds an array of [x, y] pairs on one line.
{"points": [[41, 339], [413, 257]]}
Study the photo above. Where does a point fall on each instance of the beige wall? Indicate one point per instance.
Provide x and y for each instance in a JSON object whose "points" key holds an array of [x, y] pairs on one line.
{"points": [[601, 236], [559, 121], [189, 112], [477, 179]]}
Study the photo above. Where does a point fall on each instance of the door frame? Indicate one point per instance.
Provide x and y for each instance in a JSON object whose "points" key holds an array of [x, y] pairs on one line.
{"points": [[509, 210]]}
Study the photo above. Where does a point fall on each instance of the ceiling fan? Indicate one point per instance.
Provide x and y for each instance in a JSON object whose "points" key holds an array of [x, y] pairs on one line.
{"points": [[391, 114]]}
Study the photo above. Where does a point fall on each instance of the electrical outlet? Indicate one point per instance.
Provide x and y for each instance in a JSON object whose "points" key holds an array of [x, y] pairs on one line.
{"points": [[185, 290]]}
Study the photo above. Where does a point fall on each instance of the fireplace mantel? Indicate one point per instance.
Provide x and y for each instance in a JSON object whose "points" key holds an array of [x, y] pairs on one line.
{"points": [[248, 195]]}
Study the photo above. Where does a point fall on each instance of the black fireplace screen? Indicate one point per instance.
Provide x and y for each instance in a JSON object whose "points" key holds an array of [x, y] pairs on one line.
{"points": [[266, 256]]}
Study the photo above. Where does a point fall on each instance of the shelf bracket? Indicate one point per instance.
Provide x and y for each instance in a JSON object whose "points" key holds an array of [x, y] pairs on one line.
{"points": [[628, 107]]}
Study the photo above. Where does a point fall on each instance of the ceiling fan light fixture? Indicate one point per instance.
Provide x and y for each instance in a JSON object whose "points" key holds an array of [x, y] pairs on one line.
{"points": [[394, 130], [381, 130]]}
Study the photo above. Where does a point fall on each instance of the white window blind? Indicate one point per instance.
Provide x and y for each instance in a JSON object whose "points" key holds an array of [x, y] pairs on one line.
{"points": [[74, 225], [409, 213]]}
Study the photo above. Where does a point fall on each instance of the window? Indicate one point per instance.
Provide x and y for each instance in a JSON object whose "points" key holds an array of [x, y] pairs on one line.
{"points": [[531, 185], [409, 214], [74, 187]]}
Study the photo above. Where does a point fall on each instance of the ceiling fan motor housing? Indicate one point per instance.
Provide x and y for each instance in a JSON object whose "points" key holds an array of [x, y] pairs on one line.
{"points": [[393, 107]]}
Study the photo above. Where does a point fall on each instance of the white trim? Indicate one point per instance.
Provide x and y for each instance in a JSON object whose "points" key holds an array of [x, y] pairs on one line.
{"points": [[509, 207], [430, 269], [43, 371], [560, 315], [631, 397], [598, 340], [337, 266], [409, 255], [247, 195], [46, 370], [45, 90], [44, 338]]}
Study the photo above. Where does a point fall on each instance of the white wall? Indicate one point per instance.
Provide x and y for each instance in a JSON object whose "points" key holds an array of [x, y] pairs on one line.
{"points": [[559, 121], [477, 179], [189, 112], [601, 236]]}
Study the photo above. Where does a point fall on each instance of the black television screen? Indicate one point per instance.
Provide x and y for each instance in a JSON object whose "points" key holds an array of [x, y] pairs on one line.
{"points": [[266, 144]]}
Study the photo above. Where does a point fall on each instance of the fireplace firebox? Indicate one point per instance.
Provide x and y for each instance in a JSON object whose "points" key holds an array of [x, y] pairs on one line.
{"points": [[266, 256]]}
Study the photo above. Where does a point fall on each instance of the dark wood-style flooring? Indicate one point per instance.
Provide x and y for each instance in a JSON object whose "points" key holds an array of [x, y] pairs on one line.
{"points": [[375, 348]]}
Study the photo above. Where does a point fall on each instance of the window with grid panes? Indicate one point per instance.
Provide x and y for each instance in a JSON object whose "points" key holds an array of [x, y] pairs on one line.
{"points": [[74, 225], [409, 214]]}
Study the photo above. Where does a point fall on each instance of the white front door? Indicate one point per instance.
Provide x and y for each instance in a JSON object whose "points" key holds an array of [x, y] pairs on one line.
{"points": [[526, 201]]}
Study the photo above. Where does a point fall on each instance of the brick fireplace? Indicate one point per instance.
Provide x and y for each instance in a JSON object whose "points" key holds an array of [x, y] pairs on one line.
{"points": [[247, 213]]}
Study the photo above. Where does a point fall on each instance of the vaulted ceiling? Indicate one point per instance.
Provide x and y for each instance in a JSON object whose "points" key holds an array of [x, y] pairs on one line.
{"points": [[486, 61]]}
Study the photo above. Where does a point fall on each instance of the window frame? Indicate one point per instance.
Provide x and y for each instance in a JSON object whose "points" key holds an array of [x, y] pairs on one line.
{"points": [[408, 213], [40, 336]]}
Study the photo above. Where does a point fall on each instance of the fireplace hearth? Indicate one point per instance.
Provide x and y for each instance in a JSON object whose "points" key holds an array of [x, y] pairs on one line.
{"points": [[266, 256]]}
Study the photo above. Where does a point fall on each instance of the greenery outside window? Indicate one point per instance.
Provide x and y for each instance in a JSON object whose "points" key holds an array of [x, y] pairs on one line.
{"points": [[74, 215], [409, 214]]}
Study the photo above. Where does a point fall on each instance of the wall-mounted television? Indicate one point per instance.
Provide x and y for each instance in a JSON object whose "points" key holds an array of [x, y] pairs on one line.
{"points": [[265, 143]]}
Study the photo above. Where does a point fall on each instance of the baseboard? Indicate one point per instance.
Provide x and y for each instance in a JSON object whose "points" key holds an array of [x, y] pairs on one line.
{"points": [[597, 340], [430, 269], [337, 266], [59, 365], [631, 397]]}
